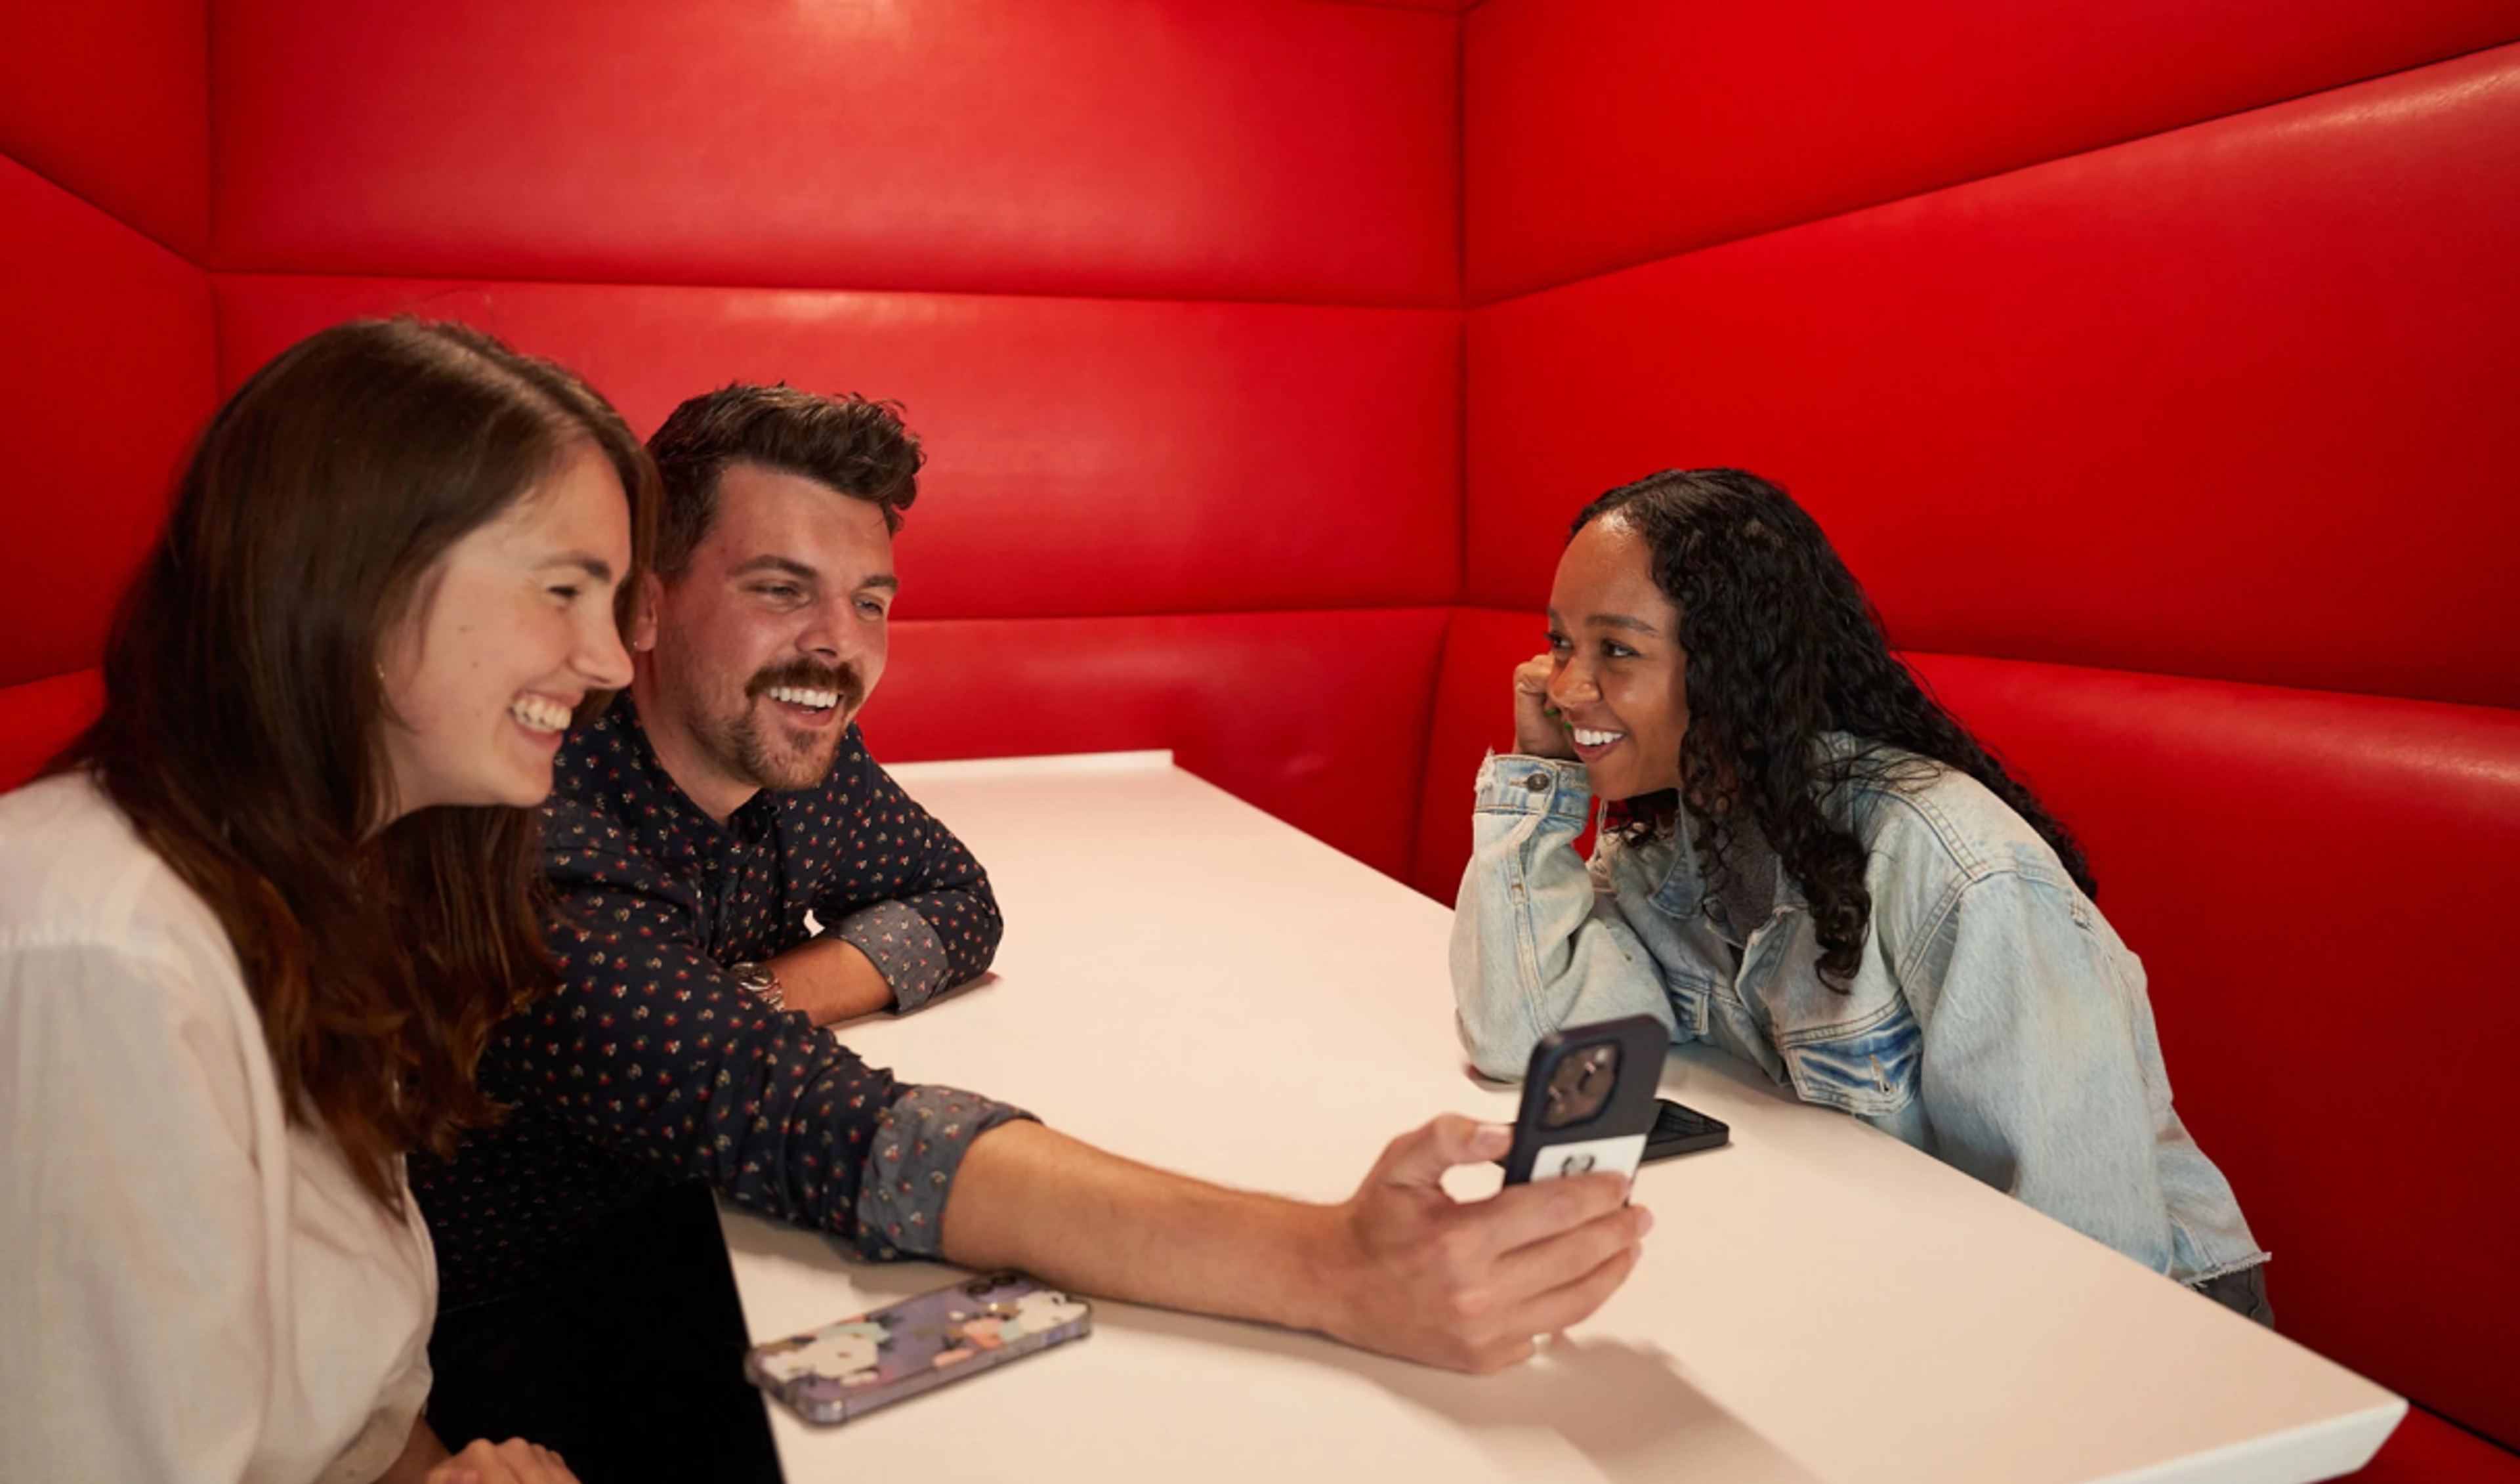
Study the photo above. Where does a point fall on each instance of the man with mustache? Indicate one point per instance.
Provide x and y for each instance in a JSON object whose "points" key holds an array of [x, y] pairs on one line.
{"points": [[695, 825]]}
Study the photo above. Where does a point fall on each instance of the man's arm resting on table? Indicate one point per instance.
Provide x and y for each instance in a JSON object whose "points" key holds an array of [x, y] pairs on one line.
{"points": [[1400, 1267], [830, 978]]}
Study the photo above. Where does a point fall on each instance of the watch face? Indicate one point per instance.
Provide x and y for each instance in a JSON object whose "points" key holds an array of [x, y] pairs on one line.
{"points": [[762, 981]]}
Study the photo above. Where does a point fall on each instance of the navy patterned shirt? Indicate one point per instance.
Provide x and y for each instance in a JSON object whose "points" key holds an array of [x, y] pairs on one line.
{"points": [[651, 1064]]}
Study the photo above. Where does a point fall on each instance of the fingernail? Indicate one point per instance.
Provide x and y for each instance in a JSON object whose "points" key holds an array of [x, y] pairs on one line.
{"points": [[1492, 1135], [1645, 1220]]}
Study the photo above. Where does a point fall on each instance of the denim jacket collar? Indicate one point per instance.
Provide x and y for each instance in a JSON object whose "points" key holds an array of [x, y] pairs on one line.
{"points": [[1683, 891]]}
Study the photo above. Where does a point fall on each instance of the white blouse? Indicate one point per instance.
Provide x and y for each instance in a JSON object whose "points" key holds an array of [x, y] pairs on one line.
{"points": [[191, 1289]]}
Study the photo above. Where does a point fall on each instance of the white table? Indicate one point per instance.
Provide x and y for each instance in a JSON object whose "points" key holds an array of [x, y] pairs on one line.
{"points": [[1193, 983]]}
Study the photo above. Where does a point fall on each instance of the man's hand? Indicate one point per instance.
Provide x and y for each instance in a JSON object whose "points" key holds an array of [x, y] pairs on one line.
{"points": [[1400, 1267], [1470, 1285], [1538, 729]]}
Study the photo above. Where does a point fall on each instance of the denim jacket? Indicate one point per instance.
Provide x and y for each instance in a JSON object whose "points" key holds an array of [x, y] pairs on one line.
{"points": [[1995, 1020]]}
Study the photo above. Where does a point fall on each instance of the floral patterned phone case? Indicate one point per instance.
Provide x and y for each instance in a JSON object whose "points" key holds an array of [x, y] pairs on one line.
{"points": [[852, 1368]]}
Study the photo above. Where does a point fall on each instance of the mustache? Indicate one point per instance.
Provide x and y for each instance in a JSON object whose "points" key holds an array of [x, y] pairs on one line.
{"points": [[806, 675]]}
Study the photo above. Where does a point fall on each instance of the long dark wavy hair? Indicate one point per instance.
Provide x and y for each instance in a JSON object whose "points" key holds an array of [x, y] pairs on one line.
{"points": [[243, 732], [1784, 645]]}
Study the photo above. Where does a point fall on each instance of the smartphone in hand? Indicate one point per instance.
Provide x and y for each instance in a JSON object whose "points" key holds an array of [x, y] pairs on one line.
{"points": [[852, 1368], [1588, 1101]]}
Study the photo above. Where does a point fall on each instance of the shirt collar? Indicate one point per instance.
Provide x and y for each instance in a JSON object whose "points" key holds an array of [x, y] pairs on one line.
{"points": [[663, 799], [1684, 886]]}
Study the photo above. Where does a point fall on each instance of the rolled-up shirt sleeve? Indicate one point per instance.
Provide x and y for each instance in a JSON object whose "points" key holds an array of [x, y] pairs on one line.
{"points": [[907, 893], [904, 949], [650, 1048]]}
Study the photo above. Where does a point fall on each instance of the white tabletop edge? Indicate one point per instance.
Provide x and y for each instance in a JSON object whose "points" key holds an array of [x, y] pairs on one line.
{"points": [[1035, 765], [2340, 1445]]}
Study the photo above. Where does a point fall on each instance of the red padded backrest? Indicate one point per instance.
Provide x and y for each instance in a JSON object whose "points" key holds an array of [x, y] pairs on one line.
{"points": [[1319, 717], [1158, 148], [2237, 400], [104, 378], [1606, 133], [1086, 456], [40, 717], [109, 100]]}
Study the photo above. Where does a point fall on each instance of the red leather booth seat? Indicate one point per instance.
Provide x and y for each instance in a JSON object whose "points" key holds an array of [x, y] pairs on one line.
{"points": [[2318, 884], [39, 718], [2425, 1450]]}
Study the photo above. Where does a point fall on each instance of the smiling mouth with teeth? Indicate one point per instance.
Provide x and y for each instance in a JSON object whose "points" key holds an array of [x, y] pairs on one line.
{"points": [[538, 714], [1586, 737], [811, 701]]}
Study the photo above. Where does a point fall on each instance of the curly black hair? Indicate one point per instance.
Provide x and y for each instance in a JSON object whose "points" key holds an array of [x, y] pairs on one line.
{"points": [[1784, 645]]}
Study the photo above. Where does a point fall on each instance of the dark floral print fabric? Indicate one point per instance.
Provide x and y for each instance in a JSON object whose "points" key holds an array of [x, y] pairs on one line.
{"points": [[651, 1064]]}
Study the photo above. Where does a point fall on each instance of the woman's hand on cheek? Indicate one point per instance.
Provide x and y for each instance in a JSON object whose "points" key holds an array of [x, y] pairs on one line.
{"points": [[1538, 729]]}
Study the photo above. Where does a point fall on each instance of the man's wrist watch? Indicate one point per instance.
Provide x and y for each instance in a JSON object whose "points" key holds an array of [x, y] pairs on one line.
{"points": [[763, 981]]}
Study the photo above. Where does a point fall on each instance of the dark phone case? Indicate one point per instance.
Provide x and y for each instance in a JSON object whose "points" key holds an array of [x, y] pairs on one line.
{"points": [[1679, 1129], [852, 1368], [1628, 1111]]}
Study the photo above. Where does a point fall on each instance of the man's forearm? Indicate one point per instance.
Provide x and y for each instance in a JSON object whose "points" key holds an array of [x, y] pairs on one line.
{"points": [[1028, 1196], [830, 979], [1400, 1267]]}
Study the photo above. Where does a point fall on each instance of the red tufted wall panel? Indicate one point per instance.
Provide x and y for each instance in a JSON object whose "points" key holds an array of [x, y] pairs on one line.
{"points": [[1232, 149], [1087, 455], [2235, 400], [1319, 717], [1603, 133], [39, 717], [106, 376], [109, 100]]}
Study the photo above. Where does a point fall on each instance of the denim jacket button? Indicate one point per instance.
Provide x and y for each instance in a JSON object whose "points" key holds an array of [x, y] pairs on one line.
{"points": [[1538, 783]]}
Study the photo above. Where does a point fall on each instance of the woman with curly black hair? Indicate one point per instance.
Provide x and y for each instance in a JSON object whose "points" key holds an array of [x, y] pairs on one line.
{"points": [[1805, 860]]}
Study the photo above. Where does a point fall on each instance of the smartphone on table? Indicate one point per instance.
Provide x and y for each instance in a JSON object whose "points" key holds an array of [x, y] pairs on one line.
{"points": [[1589, 1105], [850, 1369]]}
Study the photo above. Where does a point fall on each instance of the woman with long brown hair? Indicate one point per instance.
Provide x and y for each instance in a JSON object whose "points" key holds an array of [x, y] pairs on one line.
{"points": [[256, 924]]}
